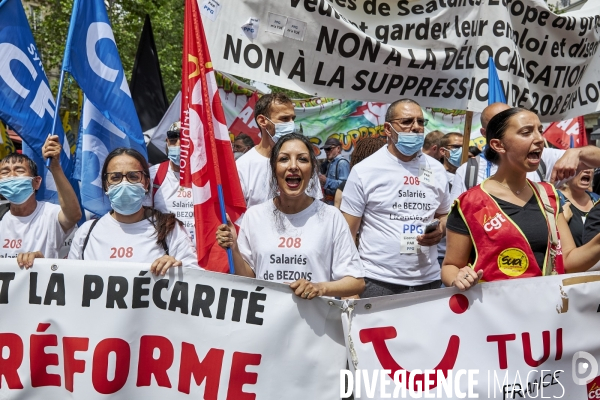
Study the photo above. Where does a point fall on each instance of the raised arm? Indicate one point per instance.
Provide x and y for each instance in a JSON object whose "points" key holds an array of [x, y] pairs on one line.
{"points": [[70, 212], [575, 160]]}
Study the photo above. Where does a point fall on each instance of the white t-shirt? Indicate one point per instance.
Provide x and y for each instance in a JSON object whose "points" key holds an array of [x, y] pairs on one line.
{"points": [[173, 198], [254, 171], [396, 200], [111, 240], [314, 244], [39, 231], [549, 156]]}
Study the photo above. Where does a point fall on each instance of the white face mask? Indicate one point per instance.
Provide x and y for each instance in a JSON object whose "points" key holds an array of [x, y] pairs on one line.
{"points": [[281, 129]]}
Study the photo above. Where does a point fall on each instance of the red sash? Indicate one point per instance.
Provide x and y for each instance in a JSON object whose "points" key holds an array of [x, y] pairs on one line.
{"points": [[501, 249]]}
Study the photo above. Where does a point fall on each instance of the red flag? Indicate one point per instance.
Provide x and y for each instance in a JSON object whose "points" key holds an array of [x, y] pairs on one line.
{"points": [[206, 157], [567, 134], [245, 123]]}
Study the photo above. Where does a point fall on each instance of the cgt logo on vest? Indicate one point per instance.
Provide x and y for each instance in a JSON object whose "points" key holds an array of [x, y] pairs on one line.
{"points": [[491, 222]]}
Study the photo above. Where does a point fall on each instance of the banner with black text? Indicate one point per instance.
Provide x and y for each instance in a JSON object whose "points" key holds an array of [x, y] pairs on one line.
{"points": [[433, 51], [81, 329]]}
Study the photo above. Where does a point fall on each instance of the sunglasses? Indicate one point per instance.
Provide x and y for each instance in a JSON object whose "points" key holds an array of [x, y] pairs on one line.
{"points": [[408, 122]]}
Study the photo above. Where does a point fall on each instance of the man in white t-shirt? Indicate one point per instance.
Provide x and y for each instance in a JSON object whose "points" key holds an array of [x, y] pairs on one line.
{"points": [[451, 147], [169, 196], [274, 114], [35, 229], [391, 196], [486, 169]]}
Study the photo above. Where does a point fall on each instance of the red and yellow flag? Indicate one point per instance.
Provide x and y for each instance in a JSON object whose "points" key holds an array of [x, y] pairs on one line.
{"points": [[207, 162]]}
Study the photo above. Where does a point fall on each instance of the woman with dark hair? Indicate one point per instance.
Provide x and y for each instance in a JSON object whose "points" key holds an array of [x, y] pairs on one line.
{"points": [[577, 200], [362, 149], [131, 232], [293, 237], [509, 227], [474, 151]]}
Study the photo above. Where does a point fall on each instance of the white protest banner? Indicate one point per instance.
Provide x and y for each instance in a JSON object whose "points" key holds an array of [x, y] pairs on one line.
{"points": [[524, 338], [83, 330], [433, 51]]}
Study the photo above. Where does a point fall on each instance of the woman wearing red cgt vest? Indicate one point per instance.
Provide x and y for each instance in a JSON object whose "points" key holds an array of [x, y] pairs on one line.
{"points": [[509, 227]]}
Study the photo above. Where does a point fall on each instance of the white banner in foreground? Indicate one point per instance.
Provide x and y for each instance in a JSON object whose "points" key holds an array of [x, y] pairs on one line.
{"points": [[433, 51], [525, 338], [74, 329]]}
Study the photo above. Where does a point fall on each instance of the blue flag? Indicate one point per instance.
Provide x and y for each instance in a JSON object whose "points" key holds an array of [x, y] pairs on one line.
{"points": [[26, 102], [496, 93], [108, 118]]}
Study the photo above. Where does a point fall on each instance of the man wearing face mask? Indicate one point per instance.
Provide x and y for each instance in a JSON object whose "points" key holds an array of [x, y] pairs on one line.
{"points": [[35, 229], [241, 145], [274, 115], [451, 144], [168, 195], [391, 197]]}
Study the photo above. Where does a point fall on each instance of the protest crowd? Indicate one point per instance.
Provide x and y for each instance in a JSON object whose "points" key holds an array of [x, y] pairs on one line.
{"points": [[396, 208]]}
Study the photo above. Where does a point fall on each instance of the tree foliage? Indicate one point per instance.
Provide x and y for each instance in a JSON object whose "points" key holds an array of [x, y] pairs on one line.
{"points": [[127, 19]]}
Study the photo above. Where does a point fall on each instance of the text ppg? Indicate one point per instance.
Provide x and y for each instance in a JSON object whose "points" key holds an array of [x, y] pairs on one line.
{"points": [[412, 229]]}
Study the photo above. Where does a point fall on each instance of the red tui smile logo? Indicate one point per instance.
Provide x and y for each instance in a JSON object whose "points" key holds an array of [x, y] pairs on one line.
{"points": [[378, 336]]}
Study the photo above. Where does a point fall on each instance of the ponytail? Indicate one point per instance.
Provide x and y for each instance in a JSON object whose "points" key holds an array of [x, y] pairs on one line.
{"points": [[164, 224]]}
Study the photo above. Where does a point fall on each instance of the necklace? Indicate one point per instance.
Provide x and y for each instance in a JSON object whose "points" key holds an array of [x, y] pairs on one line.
{"points": [[517, 192]]}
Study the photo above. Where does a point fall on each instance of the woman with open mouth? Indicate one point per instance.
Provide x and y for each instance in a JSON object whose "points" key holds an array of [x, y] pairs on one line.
{"points": [[577, 200], [294, 238], [509, 227]]}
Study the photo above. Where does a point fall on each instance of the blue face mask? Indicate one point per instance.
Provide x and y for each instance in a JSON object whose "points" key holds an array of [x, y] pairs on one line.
{"points": [[16, 189], [174, 154], [282, 129], [409, 143], [126, 198], [455, 156]]}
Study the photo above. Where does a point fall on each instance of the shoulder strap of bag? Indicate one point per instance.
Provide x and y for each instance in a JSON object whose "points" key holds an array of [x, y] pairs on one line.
{"points": [[562, 197], [595, 197], [161, 174], [552, 229], [4, 209], [87, 237], [541, 171], [472, 172]]}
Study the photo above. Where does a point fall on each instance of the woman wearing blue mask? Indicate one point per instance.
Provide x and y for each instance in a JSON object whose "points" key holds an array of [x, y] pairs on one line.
{"points": [[131, 232]]}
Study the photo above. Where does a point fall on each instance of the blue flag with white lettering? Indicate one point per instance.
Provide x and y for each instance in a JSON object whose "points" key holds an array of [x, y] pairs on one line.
{"points": [[26, 101], [108, 118], [495, 93]]}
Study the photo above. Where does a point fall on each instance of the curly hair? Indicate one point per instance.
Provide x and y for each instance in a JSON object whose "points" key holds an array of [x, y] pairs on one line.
{"points": [[365, 147]]}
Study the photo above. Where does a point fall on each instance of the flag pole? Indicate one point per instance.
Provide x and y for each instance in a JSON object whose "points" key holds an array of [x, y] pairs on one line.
{"points": [[57, 110], [466, 137], [62, 72], [224, 220]]}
